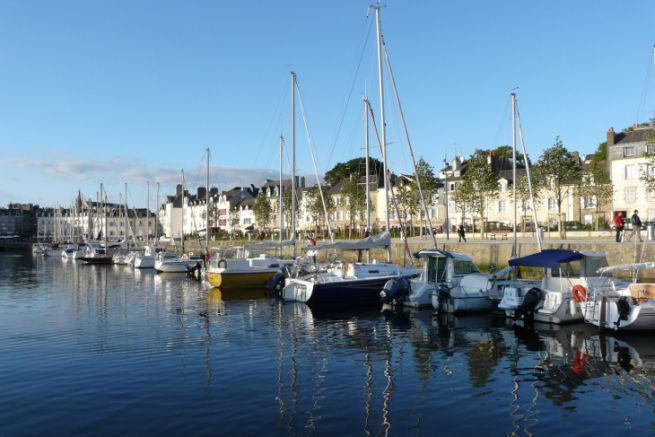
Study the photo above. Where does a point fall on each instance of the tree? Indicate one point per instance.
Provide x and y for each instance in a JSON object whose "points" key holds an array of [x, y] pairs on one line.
{"points": [[354, 166], [560, 173], [425, 175], [463, 198], [523, 195], [355, 196], [315, 205], [505, 152], [286, 207], [262, 210], [481, 182], [596, 187]]}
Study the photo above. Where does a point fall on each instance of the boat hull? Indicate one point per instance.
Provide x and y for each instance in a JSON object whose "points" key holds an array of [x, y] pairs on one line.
{"points": [[360, 292], [239, 279]]}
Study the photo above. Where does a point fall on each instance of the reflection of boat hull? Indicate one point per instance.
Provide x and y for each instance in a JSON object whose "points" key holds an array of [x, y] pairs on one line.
{"points": [[246, 279], [463, 304], [102, 259], [236, 294]]}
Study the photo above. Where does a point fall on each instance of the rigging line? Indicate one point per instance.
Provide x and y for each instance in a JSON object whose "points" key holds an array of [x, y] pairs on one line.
{"points": [[393, 196], [311, 151], [644, 88], [409, 145], [344, 106], [502, 121]]}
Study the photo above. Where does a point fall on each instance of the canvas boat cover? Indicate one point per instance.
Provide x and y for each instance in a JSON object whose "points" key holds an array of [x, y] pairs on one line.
{"points": [[549, 258], [372, 242], [627, 267]]}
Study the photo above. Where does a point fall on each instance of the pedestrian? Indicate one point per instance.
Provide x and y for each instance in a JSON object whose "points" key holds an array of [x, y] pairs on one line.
{"points": [[462, 233], [206, 257], [635, 221], [618, 224]]}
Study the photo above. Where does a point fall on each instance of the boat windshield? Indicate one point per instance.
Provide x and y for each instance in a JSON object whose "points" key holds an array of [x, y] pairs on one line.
{"points": [[465, 267], [436, 269], [567, 270]]}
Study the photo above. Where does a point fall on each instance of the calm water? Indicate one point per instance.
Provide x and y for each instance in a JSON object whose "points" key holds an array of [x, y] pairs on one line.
{"points": [[107, 350]]}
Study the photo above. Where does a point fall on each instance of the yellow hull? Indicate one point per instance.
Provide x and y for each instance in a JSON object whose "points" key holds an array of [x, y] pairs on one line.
{"points": [[239, 280]]}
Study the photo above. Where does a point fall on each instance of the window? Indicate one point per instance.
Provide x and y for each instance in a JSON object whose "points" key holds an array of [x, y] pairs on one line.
{"points": [[629, 151], [465, 267], [650, 149], [436, 269], [552, 203], [567, 270], [630, 194], [631, 172], [502, 205], [452, 186], [587, 202]]}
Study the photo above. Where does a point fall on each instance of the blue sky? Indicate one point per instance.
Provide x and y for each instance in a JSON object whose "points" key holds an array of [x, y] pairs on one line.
{"points": [[131, 91]]}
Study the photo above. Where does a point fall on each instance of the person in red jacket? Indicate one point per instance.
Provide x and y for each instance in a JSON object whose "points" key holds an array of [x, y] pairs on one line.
{"points": [[618, 224]]}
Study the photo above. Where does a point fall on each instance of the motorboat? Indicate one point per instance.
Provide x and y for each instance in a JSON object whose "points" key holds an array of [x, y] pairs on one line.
{"points": [[95, 254], [40, 249], [630, 307], [347, 283], [145, 259], [449, 282], [167, 262], [242, 272], [567, 275]]}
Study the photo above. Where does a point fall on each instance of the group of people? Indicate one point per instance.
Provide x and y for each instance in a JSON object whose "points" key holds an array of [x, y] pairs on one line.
{"points": [[635, 221]]}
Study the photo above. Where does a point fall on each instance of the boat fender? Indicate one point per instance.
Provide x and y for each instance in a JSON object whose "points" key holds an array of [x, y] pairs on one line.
{"points": [[623, 307], [579, 293], [394, 290], [579, 363], [222, 263], [530, 302]]}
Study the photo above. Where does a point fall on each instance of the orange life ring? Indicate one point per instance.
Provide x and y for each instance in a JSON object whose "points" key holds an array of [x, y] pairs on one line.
{"points": [[579, 293]]}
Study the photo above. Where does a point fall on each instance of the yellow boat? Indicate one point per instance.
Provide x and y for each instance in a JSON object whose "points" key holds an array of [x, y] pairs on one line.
{"points": [[242, 273]]}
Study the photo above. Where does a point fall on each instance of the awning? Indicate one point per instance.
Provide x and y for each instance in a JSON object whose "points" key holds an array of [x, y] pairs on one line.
{"points": [[550, 258]]}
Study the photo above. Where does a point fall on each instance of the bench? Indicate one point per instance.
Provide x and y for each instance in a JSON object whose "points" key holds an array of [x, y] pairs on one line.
{"points": [[501, 234]]}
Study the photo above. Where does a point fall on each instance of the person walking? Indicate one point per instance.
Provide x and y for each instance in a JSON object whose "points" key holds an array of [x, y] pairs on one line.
{"points": [[618, 224], [635, 221], [462, 233]]}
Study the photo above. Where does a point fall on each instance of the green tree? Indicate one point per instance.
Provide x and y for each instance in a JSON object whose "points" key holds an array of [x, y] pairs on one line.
{"points": [[481, 182], [314, 204], [262, 210], [286, 208], [463, 198], [355, 195], [560, 173], [354, 166], [425, 175], [523, 196], [596, 187]]}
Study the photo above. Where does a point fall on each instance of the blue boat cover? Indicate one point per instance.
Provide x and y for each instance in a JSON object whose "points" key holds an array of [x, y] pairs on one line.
{"points": [[550, 258]]}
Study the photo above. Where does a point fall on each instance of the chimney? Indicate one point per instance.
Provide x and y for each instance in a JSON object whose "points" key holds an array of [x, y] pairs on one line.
{"points": [[178, 190], [202, 193], [611, 137]]}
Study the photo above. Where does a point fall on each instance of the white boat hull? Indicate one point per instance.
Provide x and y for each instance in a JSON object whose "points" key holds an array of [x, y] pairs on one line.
{"points": [[604, 313]]}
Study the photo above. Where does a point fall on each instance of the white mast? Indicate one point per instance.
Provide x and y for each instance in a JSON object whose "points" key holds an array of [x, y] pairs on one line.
{"points": [[383, 124], [157, 214], [147, 212], [280, 196], [127, 240], [206, 205], [368, 194], [293, 162], [514, 252]]}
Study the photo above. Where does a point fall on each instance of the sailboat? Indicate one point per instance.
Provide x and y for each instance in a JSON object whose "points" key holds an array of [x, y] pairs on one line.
{"points": [[354, 283], [99, 253]]}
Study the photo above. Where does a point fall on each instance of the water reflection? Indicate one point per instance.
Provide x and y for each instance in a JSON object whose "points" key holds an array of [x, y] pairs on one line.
{"points": [[146, 343]]}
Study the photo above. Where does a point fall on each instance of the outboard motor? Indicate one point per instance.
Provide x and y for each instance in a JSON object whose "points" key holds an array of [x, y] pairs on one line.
{"points": [[530, 302], [196, 271], [395, 290], [443, 296], [623, 307], [276, 283]]}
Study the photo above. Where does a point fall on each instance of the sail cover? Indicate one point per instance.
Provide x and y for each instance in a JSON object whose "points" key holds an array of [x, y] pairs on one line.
{"points": [[550, 258], [372, 242]]}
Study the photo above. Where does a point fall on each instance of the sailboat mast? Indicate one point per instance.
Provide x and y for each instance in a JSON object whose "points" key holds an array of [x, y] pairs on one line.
{"points": [[147, 212], [293, 162], [157, 214], [383, 123], [280, 196], [514, 252], [366, 142], [127, 240], [183, 199], [207, 205]]}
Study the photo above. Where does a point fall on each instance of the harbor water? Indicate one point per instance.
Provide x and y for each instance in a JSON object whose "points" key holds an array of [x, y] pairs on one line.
{"points": [[109, 350]]}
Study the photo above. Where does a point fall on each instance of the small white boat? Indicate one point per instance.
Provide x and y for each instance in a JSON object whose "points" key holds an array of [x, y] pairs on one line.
{"points": [[145, 259], [627, 308], [449, 282], [167, 262], [40, 249]]}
